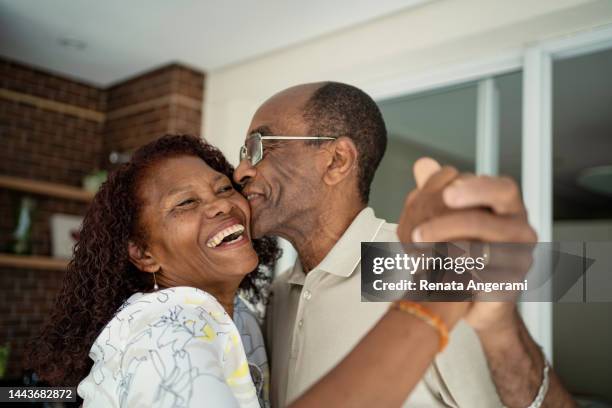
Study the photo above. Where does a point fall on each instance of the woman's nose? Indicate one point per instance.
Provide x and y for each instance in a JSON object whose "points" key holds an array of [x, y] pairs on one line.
{"points": [[219, 206], [244, 172]]}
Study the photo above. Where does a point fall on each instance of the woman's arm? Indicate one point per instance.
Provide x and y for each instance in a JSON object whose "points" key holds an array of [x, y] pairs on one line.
{"points": [[386, 364]]}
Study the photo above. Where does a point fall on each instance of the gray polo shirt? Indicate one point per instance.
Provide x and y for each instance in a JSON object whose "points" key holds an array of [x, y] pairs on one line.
{"points": [[314, 320]]}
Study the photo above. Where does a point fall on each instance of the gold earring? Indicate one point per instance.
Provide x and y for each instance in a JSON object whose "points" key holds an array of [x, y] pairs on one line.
{"points": [[155, 287]]}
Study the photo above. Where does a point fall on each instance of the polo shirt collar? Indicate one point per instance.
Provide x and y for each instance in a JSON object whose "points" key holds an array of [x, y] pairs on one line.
{"points": [[346, 254], [297, 275]]}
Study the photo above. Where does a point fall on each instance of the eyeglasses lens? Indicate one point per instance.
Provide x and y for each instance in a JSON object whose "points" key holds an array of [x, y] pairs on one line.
{"points": [[253, 150]]}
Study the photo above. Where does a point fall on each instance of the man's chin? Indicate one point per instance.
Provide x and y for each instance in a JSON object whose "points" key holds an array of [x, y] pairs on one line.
{"points": [[256, 232], [261, 227]]}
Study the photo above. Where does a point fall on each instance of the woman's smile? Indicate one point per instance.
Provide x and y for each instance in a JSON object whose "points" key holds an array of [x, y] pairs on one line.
{"points": [[229, 234]]}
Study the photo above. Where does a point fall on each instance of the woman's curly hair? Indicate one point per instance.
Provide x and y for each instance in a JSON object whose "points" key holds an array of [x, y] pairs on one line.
{"points": [[100, 276]]}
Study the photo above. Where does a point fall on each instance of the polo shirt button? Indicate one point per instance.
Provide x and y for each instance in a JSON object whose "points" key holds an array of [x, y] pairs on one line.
{"points": [[307, 294], [300, 323]]}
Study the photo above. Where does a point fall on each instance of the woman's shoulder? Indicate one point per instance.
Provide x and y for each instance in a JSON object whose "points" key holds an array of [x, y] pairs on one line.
{"points": [[181, 297], [178, 312], [177, 334]]}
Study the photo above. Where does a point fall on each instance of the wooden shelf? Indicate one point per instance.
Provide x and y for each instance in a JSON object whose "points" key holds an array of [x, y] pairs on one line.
{"points": [[45, 188], [33, 262]]}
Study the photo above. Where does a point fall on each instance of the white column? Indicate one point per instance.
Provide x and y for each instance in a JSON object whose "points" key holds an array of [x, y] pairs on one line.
{"points": [[487, 128], [537, 175]]}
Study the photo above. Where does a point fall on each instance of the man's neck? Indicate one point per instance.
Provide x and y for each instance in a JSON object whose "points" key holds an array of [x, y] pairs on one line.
{"points": [[313, 244]]}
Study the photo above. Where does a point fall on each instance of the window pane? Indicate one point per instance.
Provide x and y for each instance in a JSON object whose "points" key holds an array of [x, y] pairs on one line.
{"points": [[439, 124], [582, 140]]}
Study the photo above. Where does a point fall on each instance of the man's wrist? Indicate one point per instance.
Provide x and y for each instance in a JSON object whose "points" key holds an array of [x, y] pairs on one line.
{"points": [[506, 330], [510, 350], [449, 312]]}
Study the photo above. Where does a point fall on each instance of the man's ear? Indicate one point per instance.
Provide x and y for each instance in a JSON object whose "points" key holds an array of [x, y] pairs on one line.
{"points": [[342, 162], [142, 259]]}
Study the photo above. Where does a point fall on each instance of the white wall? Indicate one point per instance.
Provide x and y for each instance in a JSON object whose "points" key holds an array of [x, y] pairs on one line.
{"points": [[414, 42]]}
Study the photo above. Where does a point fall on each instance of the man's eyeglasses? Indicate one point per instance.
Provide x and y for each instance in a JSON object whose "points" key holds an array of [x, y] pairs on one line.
{"points": [[253, 147]]}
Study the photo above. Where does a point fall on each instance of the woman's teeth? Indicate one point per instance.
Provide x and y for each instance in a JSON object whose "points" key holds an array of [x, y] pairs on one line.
{"points": [[235, 231]]}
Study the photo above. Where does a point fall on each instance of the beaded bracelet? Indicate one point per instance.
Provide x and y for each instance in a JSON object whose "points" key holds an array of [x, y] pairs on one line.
{"points": [[426, 315]]}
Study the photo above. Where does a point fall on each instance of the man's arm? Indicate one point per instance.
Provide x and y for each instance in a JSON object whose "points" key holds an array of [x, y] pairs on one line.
{"points": [[447, 206], [386, 365], [516, 363]]}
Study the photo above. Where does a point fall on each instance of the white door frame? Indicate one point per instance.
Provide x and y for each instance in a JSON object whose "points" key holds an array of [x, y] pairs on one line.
{"points": [[448, 76], [536, 170], [536, 62], [487, 127]]}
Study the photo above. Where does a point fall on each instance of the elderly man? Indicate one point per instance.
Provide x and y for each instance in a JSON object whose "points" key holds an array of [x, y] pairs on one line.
{"points": [[307, 164]]}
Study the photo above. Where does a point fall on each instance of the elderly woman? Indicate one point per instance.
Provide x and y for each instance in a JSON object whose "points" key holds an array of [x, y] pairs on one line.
{"points": [[149, 313]]}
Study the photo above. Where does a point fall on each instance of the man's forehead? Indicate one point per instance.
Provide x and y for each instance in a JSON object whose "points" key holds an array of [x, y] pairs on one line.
{"points": [[290, 123], [273, 117], [283, 112]]}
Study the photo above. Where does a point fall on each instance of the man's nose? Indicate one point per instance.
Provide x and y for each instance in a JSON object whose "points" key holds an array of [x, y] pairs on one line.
{"points": [[244, 172]]}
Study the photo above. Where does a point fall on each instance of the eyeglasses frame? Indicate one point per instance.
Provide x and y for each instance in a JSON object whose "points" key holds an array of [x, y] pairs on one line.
{"points": [[260, 137]]}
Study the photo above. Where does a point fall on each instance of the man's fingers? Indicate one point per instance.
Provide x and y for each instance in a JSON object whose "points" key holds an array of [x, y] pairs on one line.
{"points": [[423, 169], [429, 195], [439, 180], [406, 223], [501, 194], [473, 225]]}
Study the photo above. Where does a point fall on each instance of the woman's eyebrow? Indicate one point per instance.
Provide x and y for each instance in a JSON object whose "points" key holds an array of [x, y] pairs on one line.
{"points": [[181, 189], [219, 177], [178, 190]]}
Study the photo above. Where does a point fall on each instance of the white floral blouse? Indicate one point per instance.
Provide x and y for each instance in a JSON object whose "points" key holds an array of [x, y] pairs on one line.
{"points": [[176, 347]]}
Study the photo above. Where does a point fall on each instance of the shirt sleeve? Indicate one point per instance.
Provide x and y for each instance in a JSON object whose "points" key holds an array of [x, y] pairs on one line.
{"points": [[176, 359]]}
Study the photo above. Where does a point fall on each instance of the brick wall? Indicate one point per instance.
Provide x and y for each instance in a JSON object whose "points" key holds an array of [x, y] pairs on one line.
{"points": [[167, 100], [58, 130], [47, 144], [27, 298]]}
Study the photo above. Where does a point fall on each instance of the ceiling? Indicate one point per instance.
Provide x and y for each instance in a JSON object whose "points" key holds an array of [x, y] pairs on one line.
{"points": [[443, 124], [103, 42]]}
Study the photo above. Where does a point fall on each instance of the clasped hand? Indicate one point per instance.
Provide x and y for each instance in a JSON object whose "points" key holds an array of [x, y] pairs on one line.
{"points": [[449, 206]]}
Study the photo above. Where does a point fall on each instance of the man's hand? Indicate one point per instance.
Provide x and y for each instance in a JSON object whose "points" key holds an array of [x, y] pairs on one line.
{"points": [[447, 206], [493, 212], [425, 202], [492, 207]]}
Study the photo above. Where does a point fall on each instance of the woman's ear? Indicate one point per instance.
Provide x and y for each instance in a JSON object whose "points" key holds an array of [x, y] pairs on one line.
{"points": [[343, 161], [142, 259]]}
